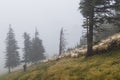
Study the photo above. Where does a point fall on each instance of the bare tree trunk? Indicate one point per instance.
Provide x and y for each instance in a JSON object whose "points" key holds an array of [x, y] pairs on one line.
{"points": [[9, 70], [90, 35], [60, 45]]}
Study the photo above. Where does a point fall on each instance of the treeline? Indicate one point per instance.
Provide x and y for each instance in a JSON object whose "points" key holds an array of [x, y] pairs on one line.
{"points": [[101, 19], [33, 49]]}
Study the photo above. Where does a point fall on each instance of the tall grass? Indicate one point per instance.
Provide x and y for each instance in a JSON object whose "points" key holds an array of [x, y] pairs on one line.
{"points": [[98, 67]]}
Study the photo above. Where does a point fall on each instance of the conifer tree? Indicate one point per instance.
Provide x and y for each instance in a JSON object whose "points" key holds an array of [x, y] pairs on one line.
{"points": [[12, 55], [37, 49], [97, 12], [27, 48]]}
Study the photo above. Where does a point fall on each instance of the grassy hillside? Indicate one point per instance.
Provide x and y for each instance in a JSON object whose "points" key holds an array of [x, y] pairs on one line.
{"points": [[97, 67]]}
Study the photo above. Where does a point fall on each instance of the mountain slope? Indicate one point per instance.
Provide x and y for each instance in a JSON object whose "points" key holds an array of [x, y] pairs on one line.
{"points": [[104, 65], [97, 67]]}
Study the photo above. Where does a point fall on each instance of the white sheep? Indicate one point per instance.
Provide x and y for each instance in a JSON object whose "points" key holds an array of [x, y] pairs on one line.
{"points": [[74, 55]]}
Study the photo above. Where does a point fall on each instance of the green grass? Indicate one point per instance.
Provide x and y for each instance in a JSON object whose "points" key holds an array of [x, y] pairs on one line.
{"points": [[98, 67]]}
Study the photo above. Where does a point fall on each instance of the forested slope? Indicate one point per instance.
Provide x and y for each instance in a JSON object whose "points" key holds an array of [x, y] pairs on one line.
{"points": [[102, 66]]}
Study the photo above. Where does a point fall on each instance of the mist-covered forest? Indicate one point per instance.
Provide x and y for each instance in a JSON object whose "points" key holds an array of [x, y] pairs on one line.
{"points": [[86, 46]]}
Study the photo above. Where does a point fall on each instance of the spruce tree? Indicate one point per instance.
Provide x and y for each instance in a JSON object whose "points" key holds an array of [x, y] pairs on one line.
{"points": [[12, 55], [27, 48], [97, 12], [37, 49]]}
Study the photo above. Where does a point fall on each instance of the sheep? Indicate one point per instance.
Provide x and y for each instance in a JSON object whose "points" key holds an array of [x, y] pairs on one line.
{"points": [[103, 46], [74, 55], [83, 52], [45, 61]]}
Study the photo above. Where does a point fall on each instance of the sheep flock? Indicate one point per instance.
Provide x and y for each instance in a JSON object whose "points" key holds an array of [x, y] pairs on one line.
{"points": [[106, 45]]}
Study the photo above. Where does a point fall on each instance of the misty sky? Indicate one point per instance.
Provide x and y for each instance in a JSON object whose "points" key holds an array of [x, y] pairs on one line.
{"points": [[47, 15]]}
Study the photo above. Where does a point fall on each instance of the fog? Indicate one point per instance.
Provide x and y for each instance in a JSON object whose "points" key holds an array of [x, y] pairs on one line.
{"points": [[48, 16]]}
